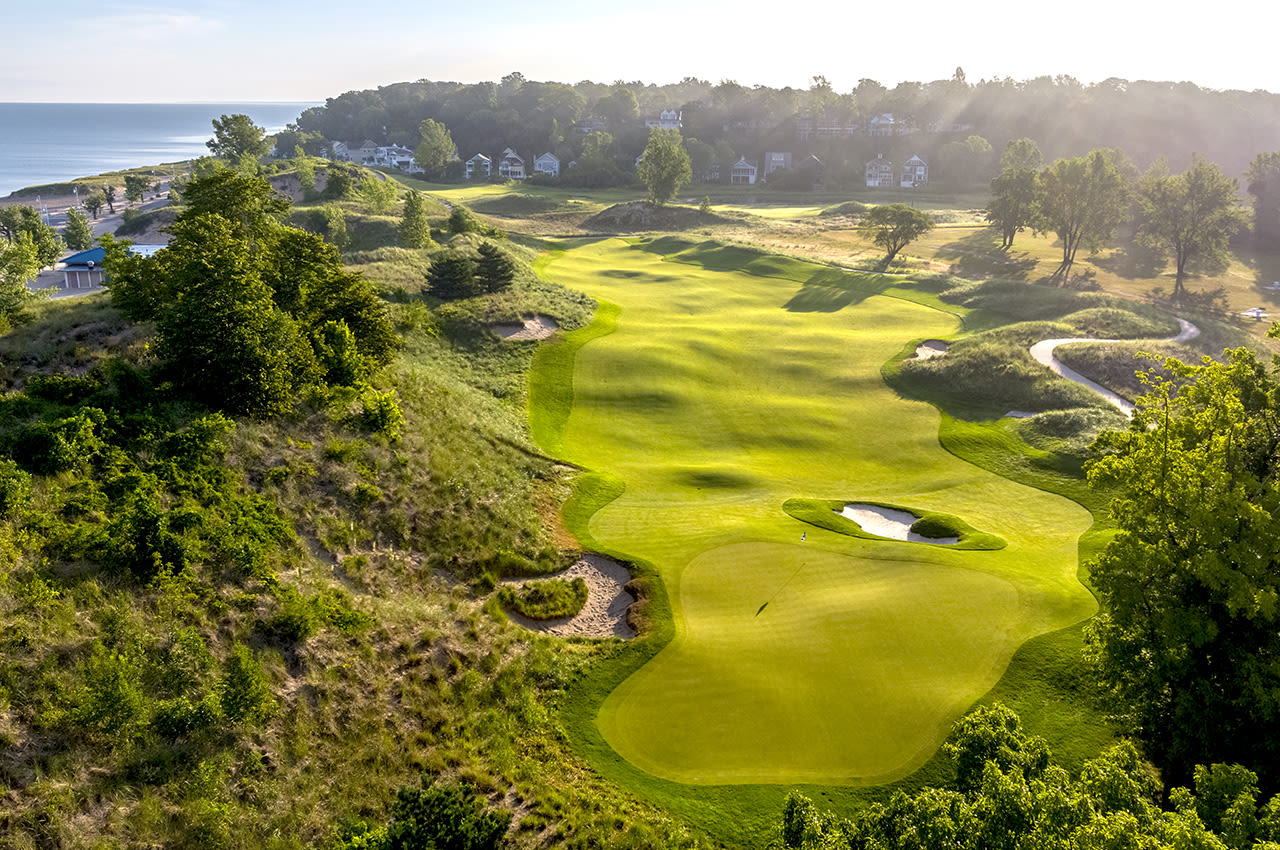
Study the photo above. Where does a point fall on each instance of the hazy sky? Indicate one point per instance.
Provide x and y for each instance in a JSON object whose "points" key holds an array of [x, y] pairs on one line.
{"points": [[238, 50]]}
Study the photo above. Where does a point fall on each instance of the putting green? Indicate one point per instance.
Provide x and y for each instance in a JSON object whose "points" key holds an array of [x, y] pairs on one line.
{"points": [[836, 660]]}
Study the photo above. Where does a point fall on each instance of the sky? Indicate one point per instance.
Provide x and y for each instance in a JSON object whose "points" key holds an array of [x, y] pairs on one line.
{"points": [[122, 51]]}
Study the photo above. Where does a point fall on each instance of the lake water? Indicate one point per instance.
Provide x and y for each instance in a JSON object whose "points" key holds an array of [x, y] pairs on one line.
{"points": [[52, 142]]}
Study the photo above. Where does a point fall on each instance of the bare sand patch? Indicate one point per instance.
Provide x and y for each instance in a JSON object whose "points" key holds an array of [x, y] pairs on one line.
{"points": [[932, 348], [604, 615], [534, 327], [887, 522]]}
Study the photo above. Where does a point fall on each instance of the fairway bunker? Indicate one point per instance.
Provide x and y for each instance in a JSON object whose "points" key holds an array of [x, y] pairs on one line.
{"points": [[887, 522], [535, 327], [605, 612]]}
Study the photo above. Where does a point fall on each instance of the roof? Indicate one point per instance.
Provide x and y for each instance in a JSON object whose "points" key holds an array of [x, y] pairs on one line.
{"points": [[547, 155], [479, 156], [95, 256]]}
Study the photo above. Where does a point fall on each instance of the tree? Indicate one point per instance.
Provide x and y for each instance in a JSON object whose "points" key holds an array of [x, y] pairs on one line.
{"points": [[18, 264], [109, 193], [306, 171], [1193, 214], [436, 147], [135, 187], [451, 275], [444, 818], [78, 234], [494, 269], [415, 230], [1084, 201], [1015, 202], [895, 226], [664, 165], [248, 202], [1190, 584], [1263, 182], [340, 181], [377, 192], [17, 221], [94, 203], [1021, 154], [235, 137]]}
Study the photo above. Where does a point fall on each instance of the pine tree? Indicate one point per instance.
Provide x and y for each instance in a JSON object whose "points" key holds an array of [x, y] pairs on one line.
{"points": [[494, 270]]}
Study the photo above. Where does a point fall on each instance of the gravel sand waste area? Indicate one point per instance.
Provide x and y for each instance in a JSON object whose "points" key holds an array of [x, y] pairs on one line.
{"points": [[932, 348], [604, 615]]}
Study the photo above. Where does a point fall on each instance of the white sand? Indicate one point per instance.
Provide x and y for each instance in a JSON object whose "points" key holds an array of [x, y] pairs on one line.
{"points": [[886, 522], [932, 348], [604, 615], [536, 327]]}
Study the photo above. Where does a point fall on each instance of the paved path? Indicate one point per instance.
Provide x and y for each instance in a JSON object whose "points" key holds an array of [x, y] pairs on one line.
{"points": [[1042, 351]]}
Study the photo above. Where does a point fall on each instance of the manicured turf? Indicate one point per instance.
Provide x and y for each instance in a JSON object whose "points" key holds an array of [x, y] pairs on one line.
{"points": [[720, 396]]}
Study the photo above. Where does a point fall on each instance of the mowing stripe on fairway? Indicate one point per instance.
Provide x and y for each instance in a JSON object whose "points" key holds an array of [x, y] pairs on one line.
{"points": [[717, 398]]}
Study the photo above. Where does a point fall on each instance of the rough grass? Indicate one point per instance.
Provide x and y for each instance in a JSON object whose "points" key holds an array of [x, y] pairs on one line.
{"points": [[547, 599]]}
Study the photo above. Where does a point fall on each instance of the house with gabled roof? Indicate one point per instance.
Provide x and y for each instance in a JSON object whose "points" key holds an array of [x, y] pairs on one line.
{"points": [[744, 172], [368, 152], [548, 164], [775, 161], [511, 165], [479, 165], [879, 172], [915, 172], [668, 119]]}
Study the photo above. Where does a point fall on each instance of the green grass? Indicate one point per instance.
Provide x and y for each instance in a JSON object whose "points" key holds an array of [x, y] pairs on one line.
{"points": [[825, 513], [840, 661], [546, 599]]}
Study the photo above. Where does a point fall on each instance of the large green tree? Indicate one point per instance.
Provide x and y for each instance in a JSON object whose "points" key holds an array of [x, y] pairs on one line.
{"points": [[1085, 199], [664, 165], [435, 147], [17, 221], [1015, 192], [1193, 214], [235, 137], [1263, 182], [1189, 637], [895, 226], [136, 186]]}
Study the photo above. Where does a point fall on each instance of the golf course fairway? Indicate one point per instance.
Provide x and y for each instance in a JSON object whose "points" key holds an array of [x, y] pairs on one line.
{"points": [[820, 658]]}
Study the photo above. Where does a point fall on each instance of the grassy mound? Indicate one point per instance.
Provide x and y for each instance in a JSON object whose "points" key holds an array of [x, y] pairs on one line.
{"points": [[825, 513], [546, 599], [642, 215]]}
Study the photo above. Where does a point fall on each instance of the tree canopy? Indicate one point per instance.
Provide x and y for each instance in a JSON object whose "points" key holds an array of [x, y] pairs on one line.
{"points": [[18, 264], [235, 137], [895, 226], [78, 233], [415, 230], [1084, 201], [435, 147], [1193, 214], [1263, 182], [1190, 628], [17, 221], [1015, 192], [664, 166]]}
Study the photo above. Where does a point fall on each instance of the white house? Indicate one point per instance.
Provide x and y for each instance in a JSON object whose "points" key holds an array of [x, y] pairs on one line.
{"points": [[668, 119], [395, 156], [880, 172], [511, 165], [881, 125], [548, 164], [744, 172], [368, 152], [774, 161], [479, 164], [915, 172], [340, 151]]}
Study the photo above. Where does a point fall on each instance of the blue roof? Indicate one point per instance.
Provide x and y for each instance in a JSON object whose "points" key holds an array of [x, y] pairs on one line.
{"points": [[84, 258]]}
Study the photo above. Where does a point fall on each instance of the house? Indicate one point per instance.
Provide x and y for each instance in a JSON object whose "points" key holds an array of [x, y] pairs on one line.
{"points": [[368, 152], [668, 119], [744, 172], [511, 165], [340, 151], [479, 165], [590, 125], [881, 125], [395, 156], [548, 164], [915, 172], [775, 161], [84, 270], [824, 127], [880, 172]]}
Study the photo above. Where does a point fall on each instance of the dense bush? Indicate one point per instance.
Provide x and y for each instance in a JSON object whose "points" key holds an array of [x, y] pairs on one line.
{"points": [[546, 599]]}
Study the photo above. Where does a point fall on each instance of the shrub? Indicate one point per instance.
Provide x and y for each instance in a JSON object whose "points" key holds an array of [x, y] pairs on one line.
{"points": [[453, 817], [244, 692], [15, 487], [380, 413]]}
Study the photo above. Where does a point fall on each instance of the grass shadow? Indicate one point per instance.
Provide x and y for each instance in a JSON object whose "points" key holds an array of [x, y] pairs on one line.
{"points": [[977, 256], [1132, 262], [830, 290]]}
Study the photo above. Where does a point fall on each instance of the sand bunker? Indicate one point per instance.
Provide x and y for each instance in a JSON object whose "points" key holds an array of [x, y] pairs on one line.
{"points": [[604, 615], [887, 522], [932, 348], [536, 327]]}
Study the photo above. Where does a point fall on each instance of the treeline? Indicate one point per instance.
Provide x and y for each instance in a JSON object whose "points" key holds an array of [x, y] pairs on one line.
{"points": [[935, 120]]}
